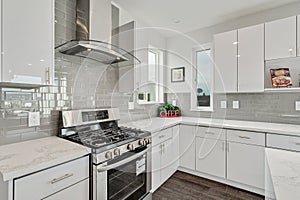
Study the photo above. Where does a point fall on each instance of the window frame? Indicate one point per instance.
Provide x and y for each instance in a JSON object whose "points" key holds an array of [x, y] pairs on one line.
{"points": [[194, 106]]}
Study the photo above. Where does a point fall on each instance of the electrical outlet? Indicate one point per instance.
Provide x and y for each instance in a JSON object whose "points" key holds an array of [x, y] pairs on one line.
{"points": [[297, 105], [223, 104], [33, 119], [130, 105], [235, 104]]}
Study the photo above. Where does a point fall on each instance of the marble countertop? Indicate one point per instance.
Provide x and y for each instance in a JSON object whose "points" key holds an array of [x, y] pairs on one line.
{"points": [[155, 124], [23, 158], [283, 174]]}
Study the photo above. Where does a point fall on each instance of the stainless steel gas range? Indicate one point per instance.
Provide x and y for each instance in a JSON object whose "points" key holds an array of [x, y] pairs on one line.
{"points": [[121, 155]]}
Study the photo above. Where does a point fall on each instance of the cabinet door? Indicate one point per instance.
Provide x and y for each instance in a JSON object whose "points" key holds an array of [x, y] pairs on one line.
{"points": [[156, 166], [187, 147], [50, 181], [298, 36], [168, 166], [28, 41], [245, 164], [210, 157], [226, 61], [175, 145], [251, 59], [280, 38], [79, 191]]}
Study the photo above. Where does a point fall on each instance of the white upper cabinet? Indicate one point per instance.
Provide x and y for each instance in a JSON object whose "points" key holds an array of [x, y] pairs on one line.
{"points": [[27, 41], [280, 38], [225, 48], [251, 59], [298, 36]]}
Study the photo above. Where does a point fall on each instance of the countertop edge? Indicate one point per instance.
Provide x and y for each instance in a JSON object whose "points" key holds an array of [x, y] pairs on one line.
{"points": [[43, 166], [227, 124]]}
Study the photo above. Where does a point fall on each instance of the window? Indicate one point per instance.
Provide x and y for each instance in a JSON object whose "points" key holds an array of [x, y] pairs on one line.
{"points": [[202, 96], [153, 85], [153, 66]]}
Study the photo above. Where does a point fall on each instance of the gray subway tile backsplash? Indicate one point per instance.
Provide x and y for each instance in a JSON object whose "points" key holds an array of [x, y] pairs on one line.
{"points": [[265, 107]]}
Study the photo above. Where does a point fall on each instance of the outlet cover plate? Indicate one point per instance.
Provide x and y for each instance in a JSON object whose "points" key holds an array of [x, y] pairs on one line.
{"points": [[235, 104], [33, 119], [224, 104], [297, 105]]}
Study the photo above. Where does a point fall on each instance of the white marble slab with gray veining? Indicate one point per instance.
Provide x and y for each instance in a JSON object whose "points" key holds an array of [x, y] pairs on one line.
{"points": [[284, 170], [23, 158]]}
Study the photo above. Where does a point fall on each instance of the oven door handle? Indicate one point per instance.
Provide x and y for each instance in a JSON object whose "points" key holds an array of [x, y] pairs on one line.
{"points": [[122, 162]]}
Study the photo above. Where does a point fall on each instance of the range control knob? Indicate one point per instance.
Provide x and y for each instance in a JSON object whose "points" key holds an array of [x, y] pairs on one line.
{"points": [[142, 142], [117, 152], [108, 155], [148, 140], [130, 147]]}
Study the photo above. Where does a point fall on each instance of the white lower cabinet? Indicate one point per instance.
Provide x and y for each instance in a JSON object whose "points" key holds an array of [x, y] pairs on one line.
{"points": [[164, 158], [167, 167], [187, 147], [156, 167], [245, 164], [79, 191], [211, 157], [66, 181]]}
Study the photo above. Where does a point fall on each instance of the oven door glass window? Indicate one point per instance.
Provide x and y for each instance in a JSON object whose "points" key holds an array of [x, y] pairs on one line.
{"points": [[128, 181]]}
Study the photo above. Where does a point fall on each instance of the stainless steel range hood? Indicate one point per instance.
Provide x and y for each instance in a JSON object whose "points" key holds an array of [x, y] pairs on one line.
{"points": [[85, 47]]}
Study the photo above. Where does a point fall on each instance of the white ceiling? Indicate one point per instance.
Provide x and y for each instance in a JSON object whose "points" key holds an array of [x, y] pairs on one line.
{"points": [[193, 14]]}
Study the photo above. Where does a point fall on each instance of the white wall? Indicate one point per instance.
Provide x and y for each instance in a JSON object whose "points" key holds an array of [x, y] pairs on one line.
{"points": [[180, 47]]}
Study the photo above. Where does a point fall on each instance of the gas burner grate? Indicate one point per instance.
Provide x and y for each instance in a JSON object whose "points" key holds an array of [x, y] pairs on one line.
{"points": [[99, 138]]}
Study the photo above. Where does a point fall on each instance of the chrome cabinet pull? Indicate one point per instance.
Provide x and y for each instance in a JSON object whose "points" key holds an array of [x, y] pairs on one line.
{"points": [[297, 143], [227, 147], [245, 137], [209, 133], [161, 136], [48, 75], [55, 180], [223, 146]]}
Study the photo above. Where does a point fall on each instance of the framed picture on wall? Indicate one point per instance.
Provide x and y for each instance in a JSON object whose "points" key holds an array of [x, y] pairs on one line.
{"points": [[177, 74]]}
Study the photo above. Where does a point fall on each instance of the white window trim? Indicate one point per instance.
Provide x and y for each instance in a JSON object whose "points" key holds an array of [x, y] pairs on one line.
{"points": [[194, 106]]}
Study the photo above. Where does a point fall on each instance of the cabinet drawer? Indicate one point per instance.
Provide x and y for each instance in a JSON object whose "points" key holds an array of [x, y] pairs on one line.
{"points": [[44, 183], [283, 142], [161, 136], [211, 133], [246, 137]]}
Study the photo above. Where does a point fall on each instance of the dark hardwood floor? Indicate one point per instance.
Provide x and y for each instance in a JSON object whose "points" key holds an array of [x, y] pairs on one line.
{"points": [[183, 186]]}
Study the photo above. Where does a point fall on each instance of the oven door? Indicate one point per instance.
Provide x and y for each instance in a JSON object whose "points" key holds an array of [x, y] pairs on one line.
{"points": [[127, 177]]}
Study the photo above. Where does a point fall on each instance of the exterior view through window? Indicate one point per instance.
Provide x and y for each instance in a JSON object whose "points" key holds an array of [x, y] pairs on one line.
{"points": [[203, 78]]}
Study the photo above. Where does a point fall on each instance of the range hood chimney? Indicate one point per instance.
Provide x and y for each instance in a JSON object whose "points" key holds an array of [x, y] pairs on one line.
{"points": [[88, 34]]}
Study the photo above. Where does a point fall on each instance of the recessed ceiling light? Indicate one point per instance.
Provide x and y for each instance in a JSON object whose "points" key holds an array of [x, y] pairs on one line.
{"points": [[176, 21]]}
